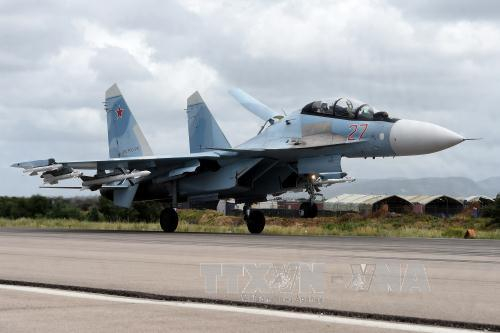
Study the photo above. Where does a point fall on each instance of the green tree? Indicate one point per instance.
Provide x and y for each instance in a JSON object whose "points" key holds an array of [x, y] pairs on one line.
{"points": [[63, 209], [94, 215], [37, 206], [112, 212], [493, 211], [147, 211]]}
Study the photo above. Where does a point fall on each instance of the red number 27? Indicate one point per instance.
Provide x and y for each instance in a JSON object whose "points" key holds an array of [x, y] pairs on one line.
{"points": [[357, 129]]}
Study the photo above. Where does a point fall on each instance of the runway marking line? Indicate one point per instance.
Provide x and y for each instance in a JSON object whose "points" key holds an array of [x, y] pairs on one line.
{"points": [[244, 310]]}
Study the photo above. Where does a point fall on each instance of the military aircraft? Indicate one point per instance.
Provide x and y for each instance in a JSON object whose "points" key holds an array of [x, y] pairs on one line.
{"points": [[298, 151]]}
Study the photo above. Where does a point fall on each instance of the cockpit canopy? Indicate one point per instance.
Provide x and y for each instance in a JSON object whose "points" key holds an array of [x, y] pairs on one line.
{"points": [[347, 108]]}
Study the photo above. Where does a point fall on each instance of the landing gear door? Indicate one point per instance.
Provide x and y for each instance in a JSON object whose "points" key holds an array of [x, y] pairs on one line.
{"points": [[319, 164]]}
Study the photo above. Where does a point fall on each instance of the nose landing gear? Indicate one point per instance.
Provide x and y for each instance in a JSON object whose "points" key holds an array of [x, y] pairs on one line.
{"points": [[308, 210]]}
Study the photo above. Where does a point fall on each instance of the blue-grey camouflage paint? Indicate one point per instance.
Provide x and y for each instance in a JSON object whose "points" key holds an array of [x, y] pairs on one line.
{"points": [[288, 154], [204, 132], [297, 131], [125, 137]]}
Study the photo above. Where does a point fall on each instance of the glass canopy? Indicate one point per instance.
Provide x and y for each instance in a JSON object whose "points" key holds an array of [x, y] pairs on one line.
{"points": [[348, 108]]}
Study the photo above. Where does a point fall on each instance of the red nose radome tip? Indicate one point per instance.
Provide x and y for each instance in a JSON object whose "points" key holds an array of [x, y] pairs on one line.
{"points": [[411, 137]]}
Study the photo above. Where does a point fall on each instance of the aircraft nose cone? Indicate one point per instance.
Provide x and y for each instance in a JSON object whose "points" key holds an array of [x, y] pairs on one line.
{"points": [[411, 137]]}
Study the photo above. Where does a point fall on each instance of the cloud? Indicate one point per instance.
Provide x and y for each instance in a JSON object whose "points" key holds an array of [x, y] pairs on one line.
{"points": [[449, 10], [113, 64], [435, 61]]}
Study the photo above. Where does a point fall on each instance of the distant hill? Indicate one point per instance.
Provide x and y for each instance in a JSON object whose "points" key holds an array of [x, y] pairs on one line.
{"points": [[453, 186], [491, 185]]}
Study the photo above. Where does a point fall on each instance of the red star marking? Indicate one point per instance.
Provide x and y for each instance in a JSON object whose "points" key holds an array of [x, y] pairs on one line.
{"points": [[119, 112]]}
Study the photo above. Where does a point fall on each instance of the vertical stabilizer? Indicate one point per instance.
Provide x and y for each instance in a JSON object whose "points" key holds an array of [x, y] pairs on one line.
{"points": [[125, 137], [204, 132]]}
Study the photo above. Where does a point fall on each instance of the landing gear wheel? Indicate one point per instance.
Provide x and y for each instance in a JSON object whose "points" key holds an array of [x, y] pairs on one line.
{"points": [[256, 221], [308, 210], [169, 220], [313, 210]]}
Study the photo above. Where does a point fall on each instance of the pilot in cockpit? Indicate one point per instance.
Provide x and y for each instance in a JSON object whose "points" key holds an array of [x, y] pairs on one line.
{"points": [[348, 109], [343, 108], [324, 108]]}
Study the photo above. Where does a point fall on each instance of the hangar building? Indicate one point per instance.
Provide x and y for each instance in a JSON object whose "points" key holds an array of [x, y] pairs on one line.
{"points": [[440, 205], [367, 203], [482, 200]]}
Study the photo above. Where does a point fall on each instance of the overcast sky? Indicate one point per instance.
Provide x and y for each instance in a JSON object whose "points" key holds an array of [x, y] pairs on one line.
{"points": [[432, 60]]}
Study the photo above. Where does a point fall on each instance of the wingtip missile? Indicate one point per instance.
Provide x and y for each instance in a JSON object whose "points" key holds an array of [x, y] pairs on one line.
{"points": [[34, 164], [49, 168]]}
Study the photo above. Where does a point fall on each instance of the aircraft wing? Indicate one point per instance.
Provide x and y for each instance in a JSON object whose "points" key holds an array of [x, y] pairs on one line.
{"points": [[134, 169], [256, 107], [142, 162]]}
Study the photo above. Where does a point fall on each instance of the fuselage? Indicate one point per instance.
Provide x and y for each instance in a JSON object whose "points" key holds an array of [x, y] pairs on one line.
{"points": [[372, 136], [305, 143], [299, 151]]}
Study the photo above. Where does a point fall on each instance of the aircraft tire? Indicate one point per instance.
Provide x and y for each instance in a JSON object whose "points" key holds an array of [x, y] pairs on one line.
{"points": [[308, 210], [169, 220], [303, 210], [256, 221], [313, 210]]}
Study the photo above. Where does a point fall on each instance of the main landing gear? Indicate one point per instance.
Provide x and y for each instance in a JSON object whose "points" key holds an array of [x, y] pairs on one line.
{"points": [[169, 220], [255, 219], [168, 217]]}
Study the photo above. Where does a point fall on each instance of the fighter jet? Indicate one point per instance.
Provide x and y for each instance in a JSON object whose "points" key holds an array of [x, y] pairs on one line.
{"points": [[298, 151]]}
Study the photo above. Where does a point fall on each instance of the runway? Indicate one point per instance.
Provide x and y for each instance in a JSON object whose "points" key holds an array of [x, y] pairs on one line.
{"points": [[444, 279], [29, 308]]}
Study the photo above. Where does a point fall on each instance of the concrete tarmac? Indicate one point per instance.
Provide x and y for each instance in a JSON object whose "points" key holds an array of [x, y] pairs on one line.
{"points": [[443, 279], [26, 309]]}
